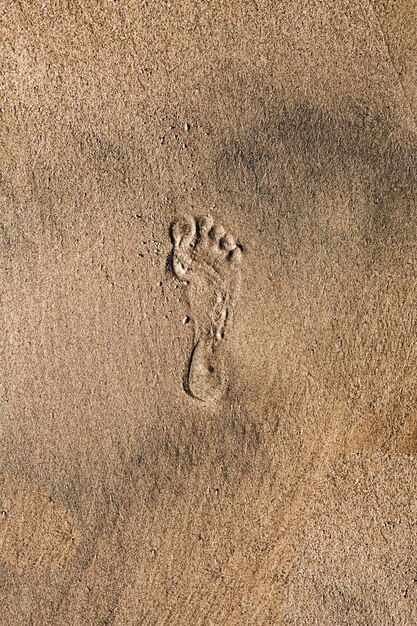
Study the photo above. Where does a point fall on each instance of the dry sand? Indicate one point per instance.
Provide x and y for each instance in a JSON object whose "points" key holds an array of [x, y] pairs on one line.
{"points": [[208, 313]]}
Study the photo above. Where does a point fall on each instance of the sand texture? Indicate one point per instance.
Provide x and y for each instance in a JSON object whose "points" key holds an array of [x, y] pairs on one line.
{"points": [[208, 313]]}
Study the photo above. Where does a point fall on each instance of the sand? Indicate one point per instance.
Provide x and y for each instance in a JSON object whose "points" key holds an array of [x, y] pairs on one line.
{"points": [[208, 265]]}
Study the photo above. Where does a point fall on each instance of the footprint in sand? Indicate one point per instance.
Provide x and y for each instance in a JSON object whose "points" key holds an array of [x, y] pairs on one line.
{"points": [[208, 260]]}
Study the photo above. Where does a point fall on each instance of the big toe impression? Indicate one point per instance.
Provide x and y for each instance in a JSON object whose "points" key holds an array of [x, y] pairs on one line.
{"points": [[184, 232]]}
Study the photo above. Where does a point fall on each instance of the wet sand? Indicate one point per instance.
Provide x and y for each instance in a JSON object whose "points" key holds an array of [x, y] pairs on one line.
{"points": [[208, 313]]}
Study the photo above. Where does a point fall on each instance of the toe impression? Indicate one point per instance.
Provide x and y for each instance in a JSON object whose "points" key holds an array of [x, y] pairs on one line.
{"points": [[183, 232]]}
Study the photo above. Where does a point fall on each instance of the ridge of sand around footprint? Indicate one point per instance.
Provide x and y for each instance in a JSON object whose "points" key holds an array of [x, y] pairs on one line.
{"points": [[36, 533]]}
